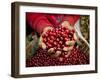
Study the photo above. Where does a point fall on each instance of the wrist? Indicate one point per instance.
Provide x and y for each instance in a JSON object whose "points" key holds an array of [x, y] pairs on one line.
{"points": [[67, 25]]}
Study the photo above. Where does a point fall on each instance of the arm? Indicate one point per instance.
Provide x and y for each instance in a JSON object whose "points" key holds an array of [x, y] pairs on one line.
{"points": [[37, 21], [72, 19], [40, 24]]}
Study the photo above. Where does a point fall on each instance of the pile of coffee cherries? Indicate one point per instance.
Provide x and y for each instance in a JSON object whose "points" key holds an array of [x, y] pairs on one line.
{"points": [[76, 57], [58, 38]]}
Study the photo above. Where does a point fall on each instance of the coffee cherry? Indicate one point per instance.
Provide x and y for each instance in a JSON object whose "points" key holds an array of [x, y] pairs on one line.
{"points": [[46, 35], [54, 34], [55, 43], [58, 46], [44, 40], [73, 31], [60, 59], [52, 37], [51, 33], [61, 38], [58, 39], [49, 30], [43, 36], [66, 31], [51, 41], [70, 35], [62, 33], [60, 42], [66, 39]]}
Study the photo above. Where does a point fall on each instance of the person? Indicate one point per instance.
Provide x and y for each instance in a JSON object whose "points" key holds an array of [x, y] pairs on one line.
{"points": [[41, 22]]}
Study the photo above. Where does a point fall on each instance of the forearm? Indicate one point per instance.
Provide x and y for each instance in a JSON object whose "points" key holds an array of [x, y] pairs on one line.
{"points": [[72, 19], [37, 21]]}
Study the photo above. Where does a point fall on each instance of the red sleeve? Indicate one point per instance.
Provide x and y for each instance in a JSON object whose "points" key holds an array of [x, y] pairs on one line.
{"points": [[71, 18], [37, 21]]}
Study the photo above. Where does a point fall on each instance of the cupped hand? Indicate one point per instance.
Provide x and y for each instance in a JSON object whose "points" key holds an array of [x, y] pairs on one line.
{"points": [[70, 43], [41, 43]]}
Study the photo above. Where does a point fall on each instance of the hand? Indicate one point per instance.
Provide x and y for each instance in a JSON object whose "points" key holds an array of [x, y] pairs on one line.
{"points": [[67, 25], [41, 43], [71, 43]]}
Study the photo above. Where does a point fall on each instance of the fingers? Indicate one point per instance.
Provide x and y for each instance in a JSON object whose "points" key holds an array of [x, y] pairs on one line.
{"points": [[70, 43], [51, 50], [67, 48], [75, 37], [67, 53], [57, 53], [67, 25], [41, 43], [54, 53], [46, 29]]}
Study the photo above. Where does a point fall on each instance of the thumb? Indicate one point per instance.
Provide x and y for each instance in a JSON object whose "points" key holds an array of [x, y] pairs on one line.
{"points": [[41, 43]]}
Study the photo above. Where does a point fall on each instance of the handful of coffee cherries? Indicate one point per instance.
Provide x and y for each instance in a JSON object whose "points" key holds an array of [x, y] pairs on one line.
{"points": [[58, 41]]}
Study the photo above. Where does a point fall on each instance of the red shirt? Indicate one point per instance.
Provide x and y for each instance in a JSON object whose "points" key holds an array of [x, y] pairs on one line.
{"points": [[38, 21]]}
